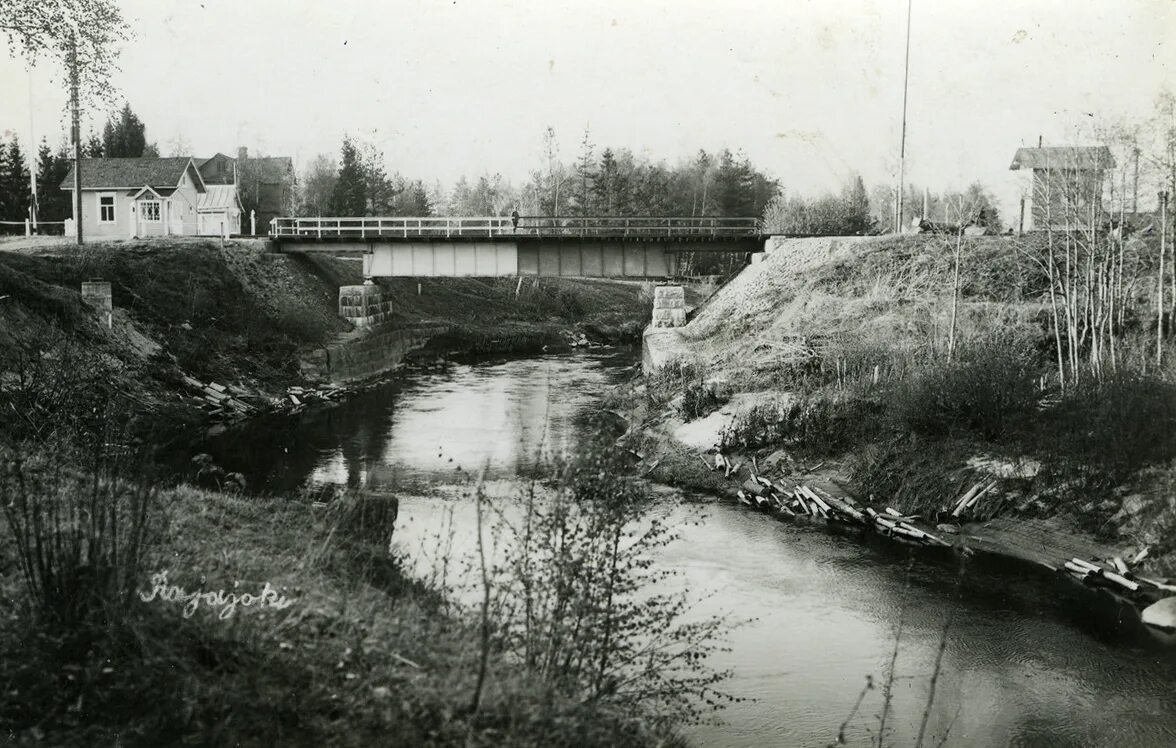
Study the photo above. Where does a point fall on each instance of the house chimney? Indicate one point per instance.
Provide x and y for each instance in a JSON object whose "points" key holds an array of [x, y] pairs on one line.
{"points": [[242, 153]]}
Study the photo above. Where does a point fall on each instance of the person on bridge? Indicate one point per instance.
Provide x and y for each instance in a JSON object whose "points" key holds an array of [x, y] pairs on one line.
{"points": [[514, 218]]}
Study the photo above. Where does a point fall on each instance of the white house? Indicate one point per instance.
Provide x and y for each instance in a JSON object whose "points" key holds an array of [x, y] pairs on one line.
{"points": [[125, 198], [219, 210]]}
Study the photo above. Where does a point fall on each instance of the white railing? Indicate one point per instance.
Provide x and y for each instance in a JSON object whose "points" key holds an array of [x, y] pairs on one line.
{"points": [[533, 226], [374, 228]]}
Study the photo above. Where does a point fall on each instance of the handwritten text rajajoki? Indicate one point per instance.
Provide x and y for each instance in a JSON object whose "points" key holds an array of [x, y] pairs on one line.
{"points": [[228, 603]]}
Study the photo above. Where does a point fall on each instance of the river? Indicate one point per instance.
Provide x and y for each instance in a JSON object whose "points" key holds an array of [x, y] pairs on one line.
{"points": [[1028, 660]]}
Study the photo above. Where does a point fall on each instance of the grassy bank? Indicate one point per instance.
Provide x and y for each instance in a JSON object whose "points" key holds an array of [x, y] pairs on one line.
{"points": [[851, 345], [362, 655]]}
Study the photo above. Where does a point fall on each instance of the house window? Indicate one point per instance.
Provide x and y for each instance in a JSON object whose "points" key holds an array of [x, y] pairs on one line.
{"points": [[106, 208], [149, 210]]}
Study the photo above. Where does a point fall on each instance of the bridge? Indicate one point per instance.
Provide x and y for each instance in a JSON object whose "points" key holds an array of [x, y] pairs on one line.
{"points": [[496, 246]]}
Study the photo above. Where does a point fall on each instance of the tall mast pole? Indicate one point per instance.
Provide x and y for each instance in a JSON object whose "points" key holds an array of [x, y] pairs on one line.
{"points": [[77, 135], [902, 145], [32, 157]]}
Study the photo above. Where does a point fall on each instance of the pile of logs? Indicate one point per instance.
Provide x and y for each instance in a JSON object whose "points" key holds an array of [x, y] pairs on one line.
{"points": [[969, 501], [300, 396], [793, 499], [797, 500], [229, 401], [1115, 574], [221, 400], [790, 498], [892, 524]]}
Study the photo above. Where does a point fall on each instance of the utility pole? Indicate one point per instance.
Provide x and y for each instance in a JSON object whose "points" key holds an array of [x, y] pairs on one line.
{"points": [[76, 130], [32, 157], [906, 73]]}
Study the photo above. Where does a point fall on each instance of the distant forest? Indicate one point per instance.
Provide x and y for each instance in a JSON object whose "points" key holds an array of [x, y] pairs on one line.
{"points": [[598, 182]]}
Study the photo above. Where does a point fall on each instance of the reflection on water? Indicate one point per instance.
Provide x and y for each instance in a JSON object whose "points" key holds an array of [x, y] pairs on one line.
{"points": [[1028, 661], [506, 417]]}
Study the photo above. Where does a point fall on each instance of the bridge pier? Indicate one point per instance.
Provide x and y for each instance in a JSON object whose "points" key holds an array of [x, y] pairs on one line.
{"points": [[669, 306], [364, 306]]}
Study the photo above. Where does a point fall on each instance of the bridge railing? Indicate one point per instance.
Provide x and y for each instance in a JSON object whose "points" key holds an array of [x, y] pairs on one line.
{"points": [[374, 228], [494, 226]]}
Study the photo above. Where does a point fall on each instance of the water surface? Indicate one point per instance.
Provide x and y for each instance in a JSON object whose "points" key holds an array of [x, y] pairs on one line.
{"points": [[1029, 660]]}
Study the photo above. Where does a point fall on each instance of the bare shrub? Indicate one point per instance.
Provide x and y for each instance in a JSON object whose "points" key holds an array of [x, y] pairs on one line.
{"points": [[989, 391], [1106, 430], [80, 535], [701, 398], [578, 600], [822, 422]]}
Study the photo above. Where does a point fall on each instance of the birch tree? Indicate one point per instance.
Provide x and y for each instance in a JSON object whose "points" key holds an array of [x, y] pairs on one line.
{"points": [[59, 29]]}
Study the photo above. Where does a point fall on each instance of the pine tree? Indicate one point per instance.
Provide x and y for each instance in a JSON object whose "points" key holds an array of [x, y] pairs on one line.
{"points": [[582, 197], [734, 188], [127, 137], [53, 168], [610, 187], [856, 208], [5, 197], [14, 182], [702, 168], [414, 200], [380, 190], [350, 195], [93, 147]]}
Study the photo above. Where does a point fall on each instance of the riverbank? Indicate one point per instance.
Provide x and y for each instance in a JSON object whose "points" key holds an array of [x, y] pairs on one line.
{"points": [[346, 649], [338, 644], [198, 323], [826, 364]]}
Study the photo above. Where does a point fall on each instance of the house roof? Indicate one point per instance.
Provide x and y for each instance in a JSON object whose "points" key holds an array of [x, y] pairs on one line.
{"points": [[132, 173], [264, 169], [1090, 158], [219, 197], [228, 176]]}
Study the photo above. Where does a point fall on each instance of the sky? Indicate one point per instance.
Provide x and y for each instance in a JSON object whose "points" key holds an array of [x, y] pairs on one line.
{"points": [[810, 90]]}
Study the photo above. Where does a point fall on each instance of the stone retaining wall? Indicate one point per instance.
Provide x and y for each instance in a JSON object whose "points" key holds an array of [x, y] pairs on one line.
{"points": [[369, 352]]}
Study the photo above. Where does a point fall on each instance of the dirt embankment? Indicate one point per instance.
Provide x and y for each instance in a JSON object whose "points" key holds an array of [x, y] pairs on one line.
{"points": [[831, 356], [197, 312]]}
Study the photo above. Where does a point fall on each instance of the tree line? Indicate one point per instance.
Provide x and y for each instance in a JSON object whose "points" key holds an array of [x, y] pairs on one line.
{"points": [[613, 182]]}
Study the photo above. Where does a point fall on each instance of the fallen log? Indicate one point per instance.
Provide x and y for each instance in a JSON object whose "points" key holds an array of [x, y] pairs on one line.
{"points": [[970, 501], [1104, 573], [842, 507], [752, 487], [812, 496], [959, 505]]}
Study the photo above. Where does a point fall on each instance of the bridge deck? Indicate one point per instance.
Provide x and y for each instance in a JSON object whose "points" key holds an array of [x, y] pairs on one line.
{"points": [[528, 228]]}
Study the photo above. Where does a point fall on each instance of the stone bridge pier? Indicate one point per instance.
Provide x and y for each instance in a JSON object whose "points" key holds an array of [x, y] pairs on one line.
{"points": [[364, 306], [669, 306]]}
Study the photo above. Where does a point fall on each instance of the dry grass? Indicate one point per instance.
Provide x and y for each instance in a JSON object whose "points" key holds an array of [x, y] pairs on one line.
{"points": [[363, 656]]}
